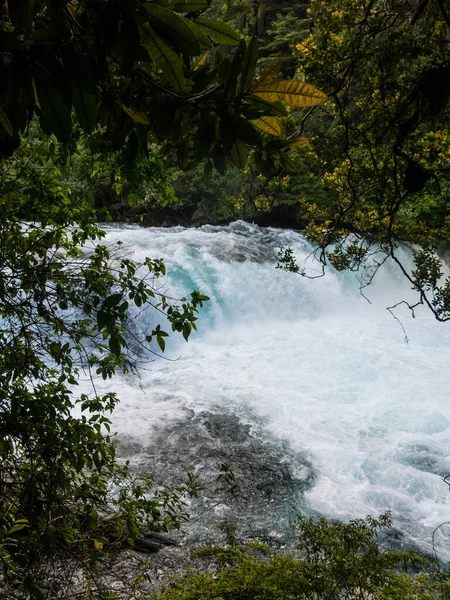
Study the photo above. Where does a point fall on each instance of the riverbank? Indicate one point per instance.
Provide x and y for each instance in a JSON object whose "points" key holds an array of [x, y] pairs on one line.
{"points": [[286, 216]]}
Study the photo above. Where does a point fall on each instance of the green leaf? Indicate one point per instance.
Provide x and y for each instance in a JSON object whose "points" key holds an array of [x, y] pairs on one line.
{"points": [[187, 328], [249, 64], [85, 105], [114, 345], [239, 154], [112, 300], [175, 28], [19, 525], [247, 133], [165, 58], [271, 125], [188, 6], [218, 31], [234, 70], [204, 41], [101, 319], [295, 93], [161, 343]]}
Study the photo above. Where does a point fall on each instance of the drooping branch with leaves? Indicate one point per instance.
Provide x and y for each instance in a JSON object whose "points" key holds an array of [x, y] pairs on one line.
{"points": [[385, 67]]}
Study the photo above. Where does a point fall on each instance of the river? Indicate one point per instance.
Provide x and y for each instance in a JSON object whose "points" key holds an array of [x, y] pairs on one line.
{"points": [[311, 391]]}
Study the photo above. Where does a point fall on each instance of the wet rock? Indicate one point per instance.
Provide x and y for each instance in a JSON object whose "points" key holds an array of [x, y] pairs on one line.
{"points": [[270, 478]]}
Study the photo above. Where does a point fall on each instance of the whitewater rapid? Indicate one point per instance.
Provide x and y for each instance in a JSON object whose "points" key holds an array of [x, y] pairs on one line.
{"points": [[318, 367]]}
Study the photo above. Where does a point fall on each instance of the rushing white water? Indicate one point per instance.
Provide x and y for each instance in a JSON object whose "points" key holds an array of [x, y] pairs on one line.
{"points": [[322, 368]]}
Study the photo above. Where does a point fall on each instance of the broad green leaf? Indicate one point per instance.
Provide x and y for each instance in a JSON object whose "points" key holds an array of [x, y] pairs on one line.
{"points": [[85, 105], [218, 31], [114, 345], [55, 113], [204, 41], [136, 115], [247, 133], [100, 319], [271, 125], [239, 154], [190, 6], [6, 123], [294, 93], [175, 28], [166, 58], [270, 71], [273, 109], [161, 343], [112, 300], [249, 64], [187, 328]]}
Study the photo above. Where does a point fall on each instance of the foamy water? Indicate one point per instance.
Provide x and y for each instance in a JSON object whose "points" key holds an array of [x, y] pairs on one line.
{"points": [[322, 368]]}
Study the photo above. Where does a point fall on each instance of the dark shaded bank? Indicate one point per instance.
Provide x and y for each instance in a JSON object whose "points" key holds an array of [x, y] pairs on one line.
{"points": [[283, 216]]}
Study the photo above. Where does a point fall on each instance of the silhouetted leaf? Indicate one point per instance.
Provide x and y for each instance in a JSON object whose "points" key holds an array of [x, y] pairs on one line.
{"points": [[175, 28], [166, 58], [85, 105], [239, 154], [55, 113], [234, 71], [272, 109], [249, 64]]}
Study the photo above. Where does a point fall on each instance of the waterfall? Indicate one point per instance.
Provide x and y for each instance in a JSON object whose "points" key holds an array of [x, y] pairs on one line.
{"points": [[308, 365]]}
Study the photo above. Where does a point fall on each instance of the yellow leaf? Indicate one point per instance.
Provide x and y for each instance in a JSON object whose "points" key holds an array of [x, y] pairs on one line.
{"points": [[6, 123], [201, 61], [298, 141], [36, 99], [270, 125], [137, 116], [294, 93]]}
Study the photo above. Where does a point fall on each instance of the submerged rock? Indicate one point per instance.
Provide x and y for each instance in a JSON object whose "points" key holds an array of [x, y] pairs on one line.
{"points": [[270, 478]]}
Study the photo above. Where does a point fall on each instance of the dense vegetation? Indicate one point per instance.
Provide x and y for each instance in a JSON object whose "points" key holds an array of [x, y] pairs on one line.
{"points": [[333, 560], [153, 111]]}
